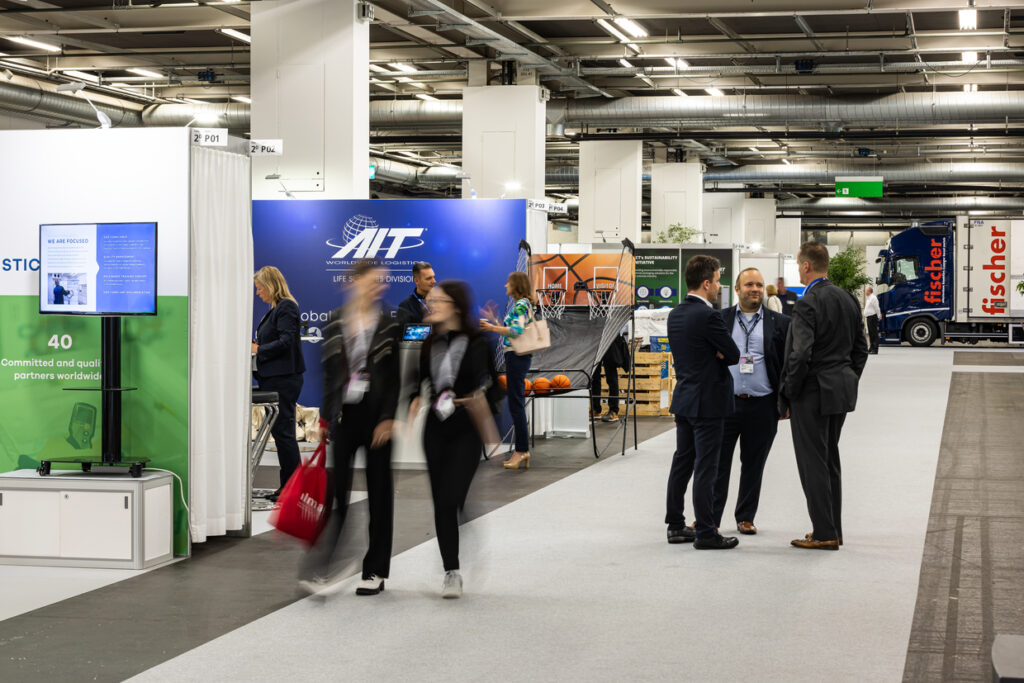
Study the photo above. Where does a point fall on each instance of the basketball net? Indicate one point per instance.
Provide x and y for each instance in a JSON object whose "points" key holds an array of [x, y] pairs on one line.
{"points": [[599, 301], [552, 302]]}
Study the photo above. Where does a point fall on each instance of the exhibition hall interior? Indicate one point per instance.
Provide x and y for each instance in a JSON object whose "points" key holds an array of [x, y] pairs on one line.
{"points": [[420, 340]]}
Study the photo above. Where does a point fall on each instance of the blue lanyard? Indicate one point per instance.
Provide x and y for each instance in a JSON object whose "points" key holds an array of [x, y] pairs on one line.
{"points": [[812, 284], [743, 326], [423, 302]]}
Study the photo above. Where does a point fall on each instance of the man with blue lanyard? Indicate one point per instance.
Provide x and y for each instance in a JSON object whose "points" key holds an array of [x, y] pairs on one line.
{"points": [[414, 308], [826, 350], [760, 334]]}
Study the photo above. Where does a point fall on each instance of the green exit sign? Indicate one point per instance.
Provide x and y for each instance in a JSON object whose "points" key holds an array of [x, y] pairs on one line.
{"points": [[373, 171], [859, 186]]}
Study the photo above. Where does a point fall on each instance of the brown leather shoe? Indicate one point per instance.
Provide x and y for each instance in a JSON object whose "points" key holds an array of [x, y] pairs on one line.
{"points": [[810, 543], [746, 528]]}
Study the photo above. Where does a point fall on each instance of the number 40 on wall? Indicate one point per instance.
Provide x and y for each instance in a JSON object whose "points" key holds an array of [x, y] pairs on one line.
{"points": [[62, 341]]}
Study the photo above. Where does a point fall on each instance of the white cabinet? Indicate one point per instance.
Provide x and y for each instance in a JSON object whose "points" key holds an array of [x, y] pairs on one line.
{"points": [[30, 523], [85, 520], [96, 524]]}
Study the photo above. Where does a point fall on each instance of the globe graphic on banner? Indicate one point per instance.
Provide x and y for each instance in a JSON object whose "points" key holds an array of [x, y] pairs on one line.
{"points": [[355, 225]]}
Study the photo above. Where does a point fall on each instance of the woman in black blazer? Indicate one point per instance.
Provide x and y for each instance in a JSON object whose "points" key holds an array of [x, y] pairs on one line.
{"points": [[279, 363], [456, 367]]}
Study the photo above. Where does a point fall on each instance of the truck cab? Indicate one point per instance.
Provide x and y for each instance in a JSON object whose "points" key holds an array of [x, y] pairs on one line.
{"points": [[915, 284]]}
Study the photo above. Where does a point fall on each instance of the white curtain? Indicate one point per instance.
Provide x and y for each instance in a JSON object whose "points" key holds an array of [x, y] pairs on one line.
{"points": [[220, 300]]}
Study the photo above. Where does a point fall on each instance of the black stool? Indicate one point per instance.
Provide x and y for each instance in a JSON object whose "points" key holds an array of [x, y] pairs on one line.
{"points": [[268, 401]]}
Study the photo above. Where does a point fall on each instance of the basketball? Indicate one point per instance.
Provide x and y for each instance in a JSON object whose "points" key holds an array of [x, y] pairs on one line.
{"points": [[542, 385], [526, 387], [560, 382], [502, 382]]}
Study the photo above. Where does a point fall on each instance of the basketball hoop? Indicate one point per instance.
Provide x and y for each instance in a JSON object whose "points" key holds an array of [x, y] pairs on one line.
{"points": [[599, 301], [552, 301]]}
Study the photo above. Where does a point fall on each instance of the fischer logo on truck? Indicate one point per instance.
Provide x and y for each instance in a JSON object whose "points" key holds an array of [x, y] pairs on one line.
{"points": [[936, 271], [995, 269]]}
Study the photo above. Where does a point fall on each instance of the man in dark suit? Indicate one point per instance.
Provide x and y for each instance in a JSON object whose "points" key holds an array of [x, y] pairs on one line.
{"points": [[361, 385], [413, 308], [702, 351], [787, 297], [825, 355], [760, 334]]}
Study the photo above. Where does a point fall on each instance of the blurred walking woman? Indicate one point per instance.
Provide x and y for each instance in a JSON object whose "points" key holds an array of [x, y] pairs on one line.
{"points": [[279, 362], [456, 367], [518, 286]]}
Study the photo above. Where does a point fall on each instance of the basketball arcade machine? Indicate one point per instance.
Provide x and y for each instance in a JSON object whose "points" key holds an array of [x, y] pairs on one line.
{"points": [[587, 299]]}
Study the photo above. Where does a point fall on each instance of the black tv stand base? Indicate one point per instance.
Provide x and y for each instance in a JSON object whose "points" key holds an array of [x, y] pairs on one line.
{"points": [[134, 467]]}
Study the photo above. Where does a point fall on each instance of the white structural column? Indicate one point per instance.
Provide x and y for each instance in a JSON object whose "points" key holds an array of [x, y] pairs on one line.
{"points": [[503, 132], [759, 224], [723, 217], [310, 89], [610, 190], [787, 238], [677, 192]]}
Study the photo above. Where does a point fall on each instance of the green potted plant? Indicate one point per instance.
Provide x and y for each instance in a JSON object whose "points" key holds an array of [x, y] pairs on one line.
{"points": [[677, 233], [846, 270]]}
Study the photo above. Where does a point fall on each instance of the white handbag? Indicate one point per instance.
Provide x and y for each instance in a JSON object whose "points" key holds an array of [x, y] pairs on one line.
{"points": [[535, 337]]}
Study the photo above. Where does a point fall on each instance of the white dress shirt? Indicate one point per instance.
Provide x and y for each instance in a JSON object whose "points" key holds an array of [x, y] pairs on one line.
{"points": [[871, 307]]}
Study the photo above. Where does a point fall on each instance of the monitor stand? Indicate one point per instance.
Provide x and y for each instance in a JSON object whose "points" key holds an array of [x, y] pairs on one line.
{"points": [[110, 380]]}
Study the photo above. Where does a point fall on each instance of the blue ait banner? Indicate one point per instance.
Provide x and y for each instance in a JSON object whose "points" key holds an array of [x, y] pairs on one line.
{"points": [[316, 243]]}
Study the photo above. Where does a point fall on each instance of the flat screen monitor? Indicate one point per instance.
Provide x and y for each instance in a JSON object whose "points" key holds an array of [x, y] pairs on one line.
{"points": [[97, 269], [416, 333]]}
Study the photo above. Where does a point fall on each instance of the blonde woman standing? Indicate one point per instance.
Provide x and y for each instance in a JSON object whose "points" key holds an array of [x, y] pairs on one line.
{"points": [[279, 363], [518, 287], [773, 302]]}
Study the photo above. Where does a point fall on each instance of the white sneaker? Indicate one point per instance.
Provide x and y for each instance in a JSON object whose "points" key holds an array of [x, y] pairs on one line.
{"points": [[313, 585], [371, 586], [452, 586]]}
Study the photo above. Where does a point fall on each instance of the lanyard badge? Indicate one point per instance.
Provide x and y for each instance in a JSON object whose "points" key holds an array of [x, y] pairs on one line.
{"points": [[357, 387], [444, 406]]}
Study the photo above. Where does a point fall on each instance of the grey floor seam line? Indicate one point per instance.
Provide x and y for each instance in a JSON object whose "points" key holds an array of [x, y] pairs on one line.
{"points": [[232, 582]]}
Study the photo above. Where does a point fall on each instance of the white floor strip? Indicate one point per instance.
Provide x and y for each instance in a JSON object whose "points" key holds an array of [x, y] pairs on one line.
{"points": [[576, 582], [989, 368]]}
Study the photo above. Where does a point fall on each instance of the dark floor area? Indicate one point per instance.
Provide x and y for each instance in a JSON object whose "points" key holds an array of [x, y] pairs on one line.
{"points": [[972, 572], [121, 630], [983, 358]]}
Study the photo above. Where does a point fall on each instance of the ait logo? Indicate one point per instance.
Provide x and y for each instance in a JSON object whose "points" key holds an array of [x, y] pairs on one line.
{"points": [[364, 238]]}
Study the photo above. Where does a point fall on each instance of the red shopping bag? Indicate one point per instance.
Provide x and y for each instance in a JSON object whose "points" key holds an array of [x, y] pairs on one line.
{"points": [[303, 503]]}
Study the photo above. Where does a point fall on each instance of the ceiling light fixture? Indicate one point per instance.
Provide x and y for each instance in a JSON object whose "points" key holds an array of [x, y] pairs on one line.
{"points": [[145, 72], [612, 30], [631, 27], [677, 63], [241, 98], [81, 75], [970, 87], [34, 43], [755, 150], [399, 66], [786, 162], [192, 101], [625, 63], [237, 35], [634, 47], [714, 92], [679, 92], [425, 96], [968, 19], [969, 57], [379, 69]]}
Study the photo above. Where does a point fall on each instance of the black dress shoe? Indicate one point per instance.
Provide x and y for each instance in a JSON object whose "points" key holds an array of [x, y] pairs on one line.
{"points": [[716, 542], [684, 535], [272, 497]]}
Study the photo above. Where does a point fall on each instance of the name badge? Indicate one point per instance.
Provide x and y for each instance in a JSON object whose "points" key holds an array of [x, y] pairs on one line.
{"points": [[444, 406], [357, 388], [746, 366]]}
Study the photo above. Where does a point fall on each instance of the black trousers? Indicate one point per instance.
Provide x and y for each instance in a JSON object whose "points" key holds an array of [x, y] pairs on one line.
{"points": [[355, 430], [288, 388], [516, 368], [816, 441], [754, 425], [872, 321], [611, 371], [453, 454], [698, 443]]}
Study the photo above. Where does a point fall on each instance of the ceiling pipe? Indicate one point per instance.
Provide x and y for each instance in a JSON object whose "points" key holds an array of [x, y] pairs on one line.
{"points": [[945, 171], [34, 100], [930, 204]]}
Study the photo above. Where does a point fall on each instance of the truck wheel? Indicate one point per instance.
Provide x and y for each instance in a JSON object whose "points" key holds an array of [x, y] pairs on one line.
{"points": [[921, 332]]}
